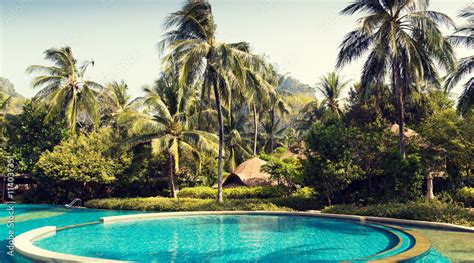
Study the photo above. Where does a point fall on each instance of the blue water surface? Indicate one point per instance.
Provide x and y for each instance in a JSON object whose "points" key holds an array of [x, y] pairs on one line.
{"points": [[231, 238]]}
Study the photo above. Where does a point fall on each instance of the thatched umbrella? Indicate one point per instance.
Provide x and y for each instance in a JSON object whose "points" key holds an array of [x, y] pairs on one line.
{"points": [[409, 133], [248, 173]]}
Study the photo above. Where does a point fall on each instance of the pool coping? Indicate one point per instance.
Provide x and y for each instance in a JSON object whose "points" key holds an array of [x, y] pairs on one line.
{"points": [[25, 247], [24, 242]]}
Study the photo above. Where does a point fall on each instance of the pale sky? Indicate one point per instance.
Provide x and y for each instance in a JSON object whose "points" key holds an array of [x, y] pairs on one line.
{"points": [[301, 37]]}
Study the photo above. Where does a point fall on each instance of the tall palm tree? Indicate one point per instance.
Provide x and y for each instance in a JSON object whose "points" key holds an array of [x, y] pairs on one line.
{"points": [[64, 89], [464, 35], [403, 38], [278, 110], [192, 46], [310, 114], [169, 131], [331, 87], [236, 138], [116, 100]]}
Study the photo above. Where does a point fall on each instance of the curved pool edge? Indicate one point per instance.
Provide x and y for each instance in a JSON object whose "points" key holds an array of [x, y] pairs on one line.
{"points": [[24, 246], [24, 242]]}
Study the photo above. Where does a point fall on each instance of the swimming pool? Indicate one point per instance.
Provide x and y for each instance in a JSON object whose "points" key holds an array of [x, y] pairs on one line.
{"points": [[216, 238]]}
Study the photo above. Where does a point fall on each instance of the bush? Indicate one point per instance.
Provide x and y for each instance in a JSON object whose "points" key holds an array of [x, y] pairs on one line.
{"points": [[182, 204], [233, 193], [435, 211], [305, 192], [467, 194], [164, 204]]}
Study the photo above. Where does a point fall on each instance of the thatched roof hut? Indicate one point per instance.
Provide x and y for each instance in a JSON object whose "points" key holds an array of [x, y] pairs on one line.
{"points": [[248, 173], [409, 133]]}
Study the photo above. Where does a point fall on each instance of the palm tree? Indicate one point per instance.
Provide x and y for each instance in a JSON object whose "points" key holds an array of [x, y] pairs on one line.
{"points": [[404, 39], [331, 86], [310, 114], [64, 89], [464, 35], [221, 67], [169, 131], [278, 110], [116, 100], [236, 140]]}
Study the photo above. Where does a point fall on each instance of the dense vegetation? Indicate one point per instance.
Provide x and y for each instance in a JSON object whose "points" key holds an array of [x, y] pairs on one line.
{"points": [[398, 137], [435, 211]]}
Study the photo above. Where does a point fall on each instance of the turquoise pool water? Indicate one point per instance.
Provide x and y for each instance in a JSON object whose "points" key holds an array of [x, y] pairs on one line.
{"points": [[28, 217], [204, 238], [224, 238]]}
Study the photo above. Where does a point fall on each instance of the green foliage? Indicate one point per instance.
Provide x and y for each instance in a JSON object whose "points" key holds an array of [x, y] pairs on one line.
{"points": [[403, 178], [84, 163], [31, 137], [287, 172], [304, 192], [189, 204], [435, 211], [330, 165], [467, 193], [233, 192]]}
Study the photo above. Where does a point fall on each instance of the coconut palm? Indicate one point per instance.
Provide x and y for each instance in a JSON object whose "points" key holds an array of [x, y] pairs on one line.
{"points": [[116, 100], [237, 139], [464, 35], [221, 67], [310, 114], [403, 38], [274, 124], [64, 89], [331, 87], [168, 130]]}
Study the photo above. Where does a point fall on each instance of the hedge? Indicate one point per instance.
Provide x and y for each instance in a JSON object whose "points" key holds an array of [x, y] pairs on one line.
{"points": [[234, 192], [435, 211], [164, 204]]}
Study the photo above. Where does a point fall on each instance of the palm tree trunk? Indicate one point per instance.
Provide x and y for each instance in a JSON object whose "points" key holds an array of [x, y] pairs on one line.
{"points": [[429, 187], [221, 138], [171, 177], [255, 125], [397, 87], [272, 131]]}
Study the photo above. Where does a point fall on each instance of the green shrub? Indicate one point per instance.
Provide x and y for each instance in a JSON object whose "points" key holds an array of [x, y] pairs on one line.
{"points": [[298, 203], [435, 211], [305, 192], [182, 204], [467, 193], [188, 204], [233, 193]]}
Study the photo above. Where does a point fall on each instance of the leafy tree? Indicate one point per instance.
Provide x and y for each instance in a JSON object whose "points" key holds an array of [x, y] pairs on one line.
{"points": [[403, 39], [287, 172], [403, 178], [193, 47], [64, 89], [166, 125], [463, 35], [85, 165], [330, 166], [30, 137]]}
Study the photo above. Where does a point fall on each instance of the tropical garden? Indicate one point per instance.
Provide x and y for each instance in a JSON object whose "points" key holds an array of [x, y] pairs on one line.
{"points": [[399, 145]]}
